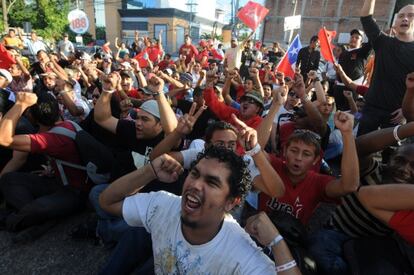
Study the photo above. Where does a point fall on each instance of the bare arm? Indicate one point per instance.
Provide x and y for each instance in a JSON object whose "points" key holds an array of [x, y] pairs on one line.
{"points": [[167, 115], [226, 90], [349, 180], [15, 163], [163, 168], [368, 8], [102, 113], [345, 79], [261, 228], [351, 102], [9, 121]]}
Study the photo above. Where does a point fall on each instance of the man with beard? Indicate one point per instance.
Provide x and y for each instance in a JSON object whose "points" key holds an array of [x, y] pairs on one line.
{"points": [[193, 234]]}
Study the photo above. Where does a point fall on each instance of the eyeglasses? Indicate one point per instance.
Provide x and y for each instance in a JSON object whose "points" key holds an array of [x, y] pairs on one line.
{"points": [[309, 133]]}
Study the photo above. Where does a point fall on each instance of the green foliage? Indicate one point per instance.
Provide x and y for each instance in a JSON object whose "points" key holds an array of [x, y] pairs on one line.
{"points": [[101, 33], [51, 19], [207, 36]]}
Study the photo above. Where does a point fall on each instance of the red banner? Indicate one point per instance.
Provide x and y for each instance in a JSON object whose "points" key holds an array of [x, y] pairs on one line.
{"points": [[325, 38], [6, 59], [252, 14]]}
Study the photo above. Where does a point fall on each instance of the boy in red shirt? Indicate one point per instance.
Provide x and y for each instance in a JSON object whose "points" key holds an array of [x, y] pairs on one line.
{"points": [[305, 189]]}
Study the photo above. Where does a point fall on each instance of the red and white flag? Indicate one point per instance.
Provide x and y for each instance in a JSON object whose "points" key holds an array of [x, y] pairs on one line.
{"points": [[252, 14]]}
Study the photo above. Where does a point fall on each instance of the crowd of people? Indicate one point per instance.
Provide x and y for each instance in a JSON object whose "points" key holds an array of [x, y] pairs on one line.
{"points": [[215, 162]]}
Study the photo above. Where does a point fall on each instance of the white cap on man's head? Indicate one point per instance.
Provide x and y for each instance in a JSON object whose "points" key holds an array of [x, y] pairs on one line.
{"points": [[6, 74]]}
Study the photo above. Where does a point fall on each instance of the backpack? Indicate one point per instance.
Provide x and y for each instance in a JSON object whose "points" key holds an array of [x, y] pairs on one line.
{"points": [[96, 157]]}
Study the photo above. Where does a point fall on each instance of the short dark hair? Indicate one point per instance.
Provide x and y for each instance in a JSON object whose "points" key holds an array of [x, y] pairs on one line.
{"points": [[239, 180], [314, 38], [267, 84], [218, 126], [46, 110], [308, 137]]}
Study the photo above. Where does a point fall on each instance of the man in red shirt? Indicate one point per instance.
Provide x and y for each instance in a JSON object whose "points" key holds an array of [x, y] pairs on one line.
{"points": [[305, 189], [35, 199], [188, 50]]}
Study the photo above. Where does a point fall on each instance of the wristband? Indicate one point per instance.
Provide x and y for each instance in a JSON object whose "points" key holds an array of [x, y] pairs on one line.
{"points": [[286, 266], [275, 241], [256, 149], [395, 133], [155, 94]]}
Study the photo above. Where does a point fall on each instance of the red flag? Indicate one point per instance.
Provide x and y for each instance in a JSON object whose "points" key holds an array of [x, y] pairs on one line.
{"points": [[6, 59], [325, 38], [142, 58], [252, 14]]}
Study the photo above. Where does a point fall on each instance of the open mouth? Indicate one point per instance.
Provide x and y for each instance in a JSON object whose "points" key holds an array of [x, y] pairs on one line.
{"points": [[192, 202]]}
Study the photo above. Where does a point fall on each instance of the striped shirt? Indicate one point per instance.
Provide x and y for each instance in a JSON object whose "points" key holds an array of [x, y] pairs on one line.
{"points": [[352, 218]]}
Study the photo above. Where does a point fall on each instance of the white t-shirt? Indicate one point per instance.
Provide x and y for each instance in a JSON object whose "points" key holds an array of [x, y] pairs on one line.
{"points": [[231, 251], [282, 111], [233, 57]]}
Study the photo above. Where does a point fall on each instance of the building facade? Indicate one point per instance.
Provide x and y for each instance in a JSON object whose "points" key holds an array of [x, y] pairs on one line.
{"points": [[174, 17], [339, 15]]}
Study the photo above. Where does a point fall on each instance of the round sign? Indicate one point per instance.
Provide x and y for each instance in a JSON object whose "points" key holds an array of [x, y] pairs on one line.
{"points": [[78, 21]]}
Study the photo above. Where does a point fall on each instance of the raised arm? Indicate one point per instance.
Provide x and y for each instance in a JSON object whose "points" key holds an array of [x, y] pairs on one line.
{"points": [[9, 121], [167, 115], [262, 229], [265, 127], [351, 102], [408, 101], [269, 180], [349, 180], [345, 79], [102, 113], [66, 92], [163, 168]]}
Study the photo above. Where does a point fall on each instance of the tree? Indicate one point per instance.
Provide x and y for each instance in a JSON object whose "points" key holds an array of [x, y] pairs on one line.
{"points": [[6, 7], [52, 17], [100, 33]]}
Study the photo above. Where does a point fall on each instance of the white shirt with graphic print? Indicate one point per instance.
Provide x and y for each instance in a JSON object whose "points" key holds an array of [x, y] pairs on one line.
{"points": [[231, 251]]}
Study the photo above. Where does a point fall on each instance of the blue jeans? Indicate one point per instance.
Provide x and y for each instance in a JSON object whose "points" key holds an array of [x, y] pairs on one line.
{"points": [[325, 245], [110, 228], [132, 253]]}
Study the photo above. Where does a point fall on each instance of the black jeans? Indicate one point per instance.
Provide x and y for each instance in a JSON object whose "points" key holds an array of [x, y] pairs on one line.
{"points": [[37, 199], [372, 119]]}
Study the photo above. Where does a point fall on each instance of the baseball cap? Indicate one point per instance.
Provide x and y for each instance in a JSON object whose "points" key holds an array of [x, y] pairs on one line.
{"points": [[203, 43], [151, 107], [255, 96], [356, 31], [186, 77], [6, 74], [145, 90]]}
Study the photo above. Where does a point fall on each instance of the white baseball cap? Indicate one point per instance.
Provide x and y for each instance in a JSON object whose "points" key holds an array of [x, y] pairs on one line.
{"points": [[6, 74]]}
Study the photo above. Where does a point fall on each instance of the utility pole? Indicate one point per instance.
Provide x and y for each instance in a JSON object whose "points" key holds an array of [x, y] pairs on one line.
{"points": [[5, 21], [191, 4], [288, 38]]}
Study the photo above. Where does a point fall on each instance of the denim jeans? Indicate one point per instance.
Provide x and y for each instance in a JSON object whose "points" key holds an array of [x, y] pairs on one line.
{"points": [[325, 246], [110, 228], [132, 253], [37, 199], [372, 119]]}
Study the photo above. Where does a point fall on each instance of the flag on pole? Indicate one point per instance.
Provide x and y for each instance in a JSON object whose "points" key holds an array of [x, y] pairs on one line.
{"points": [[252, 14], [6, 59], [288, 62], [325, 39]]}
